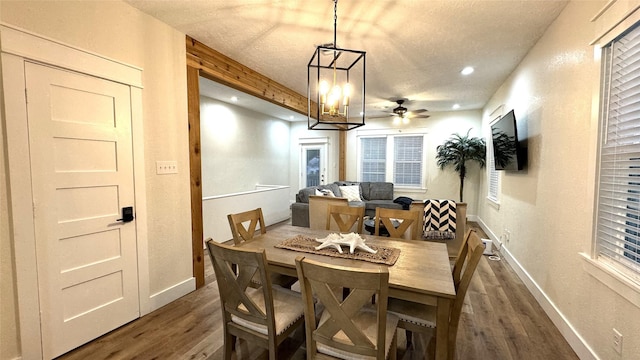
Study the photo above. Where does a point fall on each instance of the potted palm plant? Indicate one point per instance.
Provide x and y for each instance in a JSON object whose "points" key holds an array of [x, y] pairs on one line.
{"points": [[457, 150]]}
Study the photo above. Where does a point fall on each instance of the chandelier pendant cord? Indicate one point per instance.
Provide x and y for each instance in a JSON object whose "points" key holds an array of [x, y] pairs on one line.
{"points": [[335, 44]]}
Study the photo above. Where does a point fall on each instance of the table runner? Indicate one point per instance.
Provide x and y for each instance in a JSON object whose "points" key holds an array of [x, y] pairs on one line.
{"points": [[385, 255]]}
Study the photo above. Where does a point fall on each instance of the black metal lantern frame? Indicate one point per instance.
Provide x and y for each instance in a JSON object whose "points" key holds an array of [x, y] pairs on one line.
{"points": [[338, 67]]}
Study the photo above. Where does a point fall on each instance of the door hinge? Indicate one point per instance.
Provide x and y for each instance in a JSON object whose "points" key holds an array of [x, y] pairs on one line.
{"points": [[26, 96]]}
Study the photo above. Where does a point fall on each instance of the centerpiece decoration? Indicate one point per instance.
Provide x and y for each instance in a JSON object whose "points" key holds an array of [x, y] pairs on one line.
{"points": [[353, 240]]}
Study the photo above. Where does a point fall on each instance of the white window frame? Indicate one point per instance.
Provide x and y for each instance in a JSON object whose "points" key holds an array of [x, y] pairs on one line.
{"points": [[391, 134], [493, 176], [609, 235]]}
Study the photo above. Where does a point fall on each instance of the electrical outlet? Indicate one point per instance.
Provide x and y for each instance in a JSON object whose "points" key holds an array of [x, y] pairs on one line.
{"points": [[617, 341], [166, 167]]}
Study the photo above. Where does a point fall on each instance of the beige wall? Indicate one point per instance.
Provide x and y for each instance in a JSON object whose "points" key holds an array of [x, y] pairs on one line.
{"points": [[441, 184], [241, 148], [9, 338], [548, 207], [118, 31]]}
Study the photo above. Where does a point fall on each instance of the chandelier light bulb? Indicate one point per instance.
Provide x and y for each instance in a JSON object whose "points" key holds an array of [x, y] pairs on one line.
{"points": [[324, 87]]}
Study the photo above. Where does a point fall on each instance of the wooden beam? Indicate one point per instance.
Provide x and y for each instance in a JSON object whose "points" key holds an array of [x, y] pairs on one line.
{"points": [[342, 157], [221, 68], [193, 105]]}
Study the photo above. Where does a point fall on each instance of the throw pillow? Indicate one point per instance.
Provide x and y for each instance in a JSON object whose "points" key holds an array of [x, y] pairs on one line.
{"points": [[352, 193], [325, 192]]}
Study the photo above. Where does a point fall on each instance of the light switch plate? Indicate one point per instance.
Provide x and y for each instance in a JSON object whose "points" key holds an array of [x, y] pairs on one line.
{"points": [[166, 167]]}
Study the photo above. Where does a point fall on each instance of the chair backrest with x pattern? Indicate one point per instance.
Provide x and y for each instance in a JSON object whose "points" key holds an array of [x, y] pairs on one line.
{"points": [[460, 258], [466, 264], [238, 230], [234, 286], [345, 217], [340, 331], [410, 222]]}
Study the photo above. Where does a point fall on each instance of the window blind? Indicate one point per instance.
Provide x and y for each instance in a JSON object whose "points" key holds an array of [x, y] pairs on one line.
{"points": [[618, 217], [408, 161], [374, 158], [492, 174]]}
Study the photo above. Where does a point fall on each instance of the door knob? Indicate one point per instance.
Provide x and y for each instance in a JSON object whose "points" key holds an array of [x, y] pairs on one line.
{"points": [[127, 214]]}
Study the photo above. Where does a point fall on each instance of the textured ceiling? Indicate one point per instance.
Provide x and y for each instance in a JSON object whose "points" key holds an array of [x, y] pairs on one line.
{"points": [[415, 49]]}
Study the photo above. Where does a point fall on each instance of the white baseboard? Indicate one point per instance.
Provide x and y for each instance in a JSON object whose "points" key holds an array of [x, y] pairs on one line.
{"points": [[172, 293], [577, 343]]}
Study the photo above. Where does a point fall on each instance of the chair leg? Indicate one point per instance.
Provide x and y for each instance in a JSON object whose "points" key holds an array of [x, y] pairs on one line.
{"points": [[229, 346], [393, 352], [409, 335], [273, 352]]}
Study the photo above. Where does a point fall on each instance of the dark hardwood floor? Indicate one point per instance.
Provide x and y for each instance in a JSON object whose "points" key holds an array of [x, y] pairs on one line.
{"points": [[500, 320]]}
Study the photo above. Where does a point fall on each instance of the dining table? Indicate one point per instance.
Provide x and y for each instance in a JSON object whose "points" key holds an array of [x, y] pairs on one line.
{"points": [[421, 273]]}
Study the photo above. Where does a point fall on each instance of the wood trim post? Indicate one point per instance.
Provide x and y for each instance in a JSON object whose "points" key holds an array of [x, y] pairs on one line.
{"points": [[195, 158], [342, 157]]}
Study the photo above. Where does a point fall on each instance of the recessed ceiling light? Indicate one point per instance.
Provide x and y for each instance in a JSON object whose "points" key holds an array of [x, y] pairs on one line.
{"points": [[456, 106], [466, 71], [234, 98], [291, 117]]}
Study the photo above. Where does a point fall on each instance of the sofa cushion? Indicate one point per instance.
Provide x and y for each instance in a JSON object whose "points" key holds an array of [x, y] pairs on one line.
{"points": [[364, 190], [325, 192], [347, 183], [335, 189], [381, 191], [352, 193], [303, 194]]}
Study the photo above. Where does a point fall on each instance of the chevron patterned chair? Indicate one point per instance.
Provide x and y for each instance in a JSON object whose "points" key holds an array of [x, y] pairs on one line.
{"points": [[443, 221]]}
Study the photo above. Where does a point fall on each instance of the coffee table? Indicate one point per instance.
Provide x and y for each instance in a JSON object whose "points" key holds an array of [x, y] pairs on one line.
{"points": [[370, 226]]}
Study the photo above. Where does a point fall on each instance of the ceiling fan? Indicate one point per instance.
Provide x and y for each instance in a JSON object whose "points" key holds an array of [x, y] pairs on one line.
{"points": [[402, 114]]}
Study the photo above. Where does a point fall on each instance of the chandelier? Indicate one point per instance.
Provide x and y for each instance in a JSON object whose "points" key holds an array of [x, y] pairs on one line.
{"points": [[336, 85]]}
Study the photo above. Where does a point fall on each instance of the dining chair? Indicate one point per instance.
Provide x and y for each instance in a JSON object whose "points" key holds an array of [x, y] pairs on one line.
{"points": [[242, 233], [318, 209], [349, 327], [251, 218], [430, 218], [408, 227], [422, 318], [264, 316], [346, 218]]}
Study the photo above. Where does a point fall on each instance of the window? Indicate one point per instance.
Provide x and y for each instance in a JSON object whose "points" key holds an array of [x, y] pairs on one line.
{"points": [[407, 152], [393, 158], [374, 158], [492, 175], [618, 209]]}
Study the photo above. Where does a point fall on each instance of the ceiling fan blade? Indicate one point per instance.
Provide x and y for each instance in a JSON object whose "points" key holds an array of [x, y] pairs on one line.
{"points": [[419, 111], [420, 116], [382, 116]]}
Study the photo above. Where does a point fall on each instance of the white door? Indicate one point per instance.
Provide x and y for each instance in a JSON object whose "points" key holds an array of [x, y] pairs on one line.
{"points": [[313, 165], [82, 170]]}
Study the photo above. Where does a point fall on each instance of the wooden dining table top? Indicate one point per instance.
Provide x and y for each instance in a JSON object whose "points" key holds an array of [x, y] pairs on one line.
{"points": [[422, 272]]}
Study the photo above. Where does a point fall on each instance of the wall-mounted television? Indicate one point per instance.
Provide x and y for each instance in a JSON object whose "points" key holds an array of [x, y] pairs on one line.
{"points": [[508, 154]]}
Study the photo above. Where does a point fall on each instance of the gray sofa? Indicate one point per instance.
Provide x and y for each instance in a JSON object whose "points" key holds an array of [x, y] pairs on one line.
{"points": [[373, 195]]}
